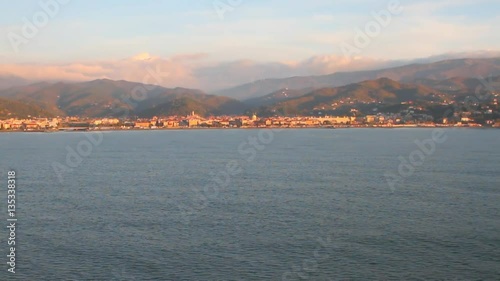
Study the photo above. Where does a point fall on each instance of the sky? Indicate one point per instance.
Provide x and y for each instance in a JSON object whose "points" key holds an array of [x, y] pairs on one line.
{"points": [[212, 44]]}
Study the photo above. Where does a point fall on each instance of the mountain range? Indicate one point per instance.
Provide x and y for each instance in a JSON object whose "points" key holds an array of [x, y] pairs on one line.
{"points": [[462, 68], [425, 83], [101, 98], [382, 90]]}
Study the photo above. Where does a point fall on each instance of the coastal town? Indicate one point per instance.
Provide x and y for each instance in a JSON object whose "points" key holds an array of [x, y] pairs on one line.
{"points": [[407, 119]]}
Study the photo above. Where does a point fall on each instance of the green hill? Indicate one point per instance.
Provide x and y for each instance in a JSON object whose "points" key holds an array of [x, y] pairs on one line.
{"points": [[383, 90], [16, 109], [102, 98], [461, 87], [202, 105]]}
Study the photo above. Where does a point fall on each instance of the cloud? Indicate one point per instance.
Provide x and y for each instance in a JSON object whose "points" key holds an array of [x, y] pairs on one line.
{"points": [[142, 57], [137, 68], [190, 57], [193, 71]]}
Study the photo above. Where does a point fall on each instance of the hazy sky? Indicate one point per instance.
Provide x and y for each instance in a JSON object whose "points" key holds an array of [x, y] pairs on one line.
{"points": [[199, 37]]}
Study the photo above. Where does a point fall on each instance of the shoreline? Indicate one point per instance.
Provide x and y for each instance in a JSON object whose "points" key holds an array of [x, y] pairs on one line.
{"points": [[251, 128]]}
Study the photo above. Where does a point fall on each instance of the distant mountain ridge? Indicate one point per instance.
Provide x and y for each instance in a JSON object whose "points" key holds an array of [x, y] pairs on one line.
{"points": [[9, 81], [463, 86], [381, 90], [426, 83], [100, 98], [277, 96], [468, 68]]}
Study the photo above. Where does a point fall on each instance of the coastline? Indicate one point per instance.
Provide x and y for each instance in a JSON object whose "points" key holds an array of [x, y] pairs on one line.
{"points": [[255, 128]]}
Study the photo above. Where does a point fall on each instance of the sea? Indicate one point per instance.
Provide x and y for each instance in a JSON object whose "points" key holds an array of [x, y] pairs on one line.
{"points": [[256, 204]]}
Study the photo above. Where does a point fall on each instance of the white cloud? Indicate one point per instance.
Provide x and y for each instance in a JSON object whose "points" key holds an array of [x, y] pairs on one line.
{"points": [[192, 71]]}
